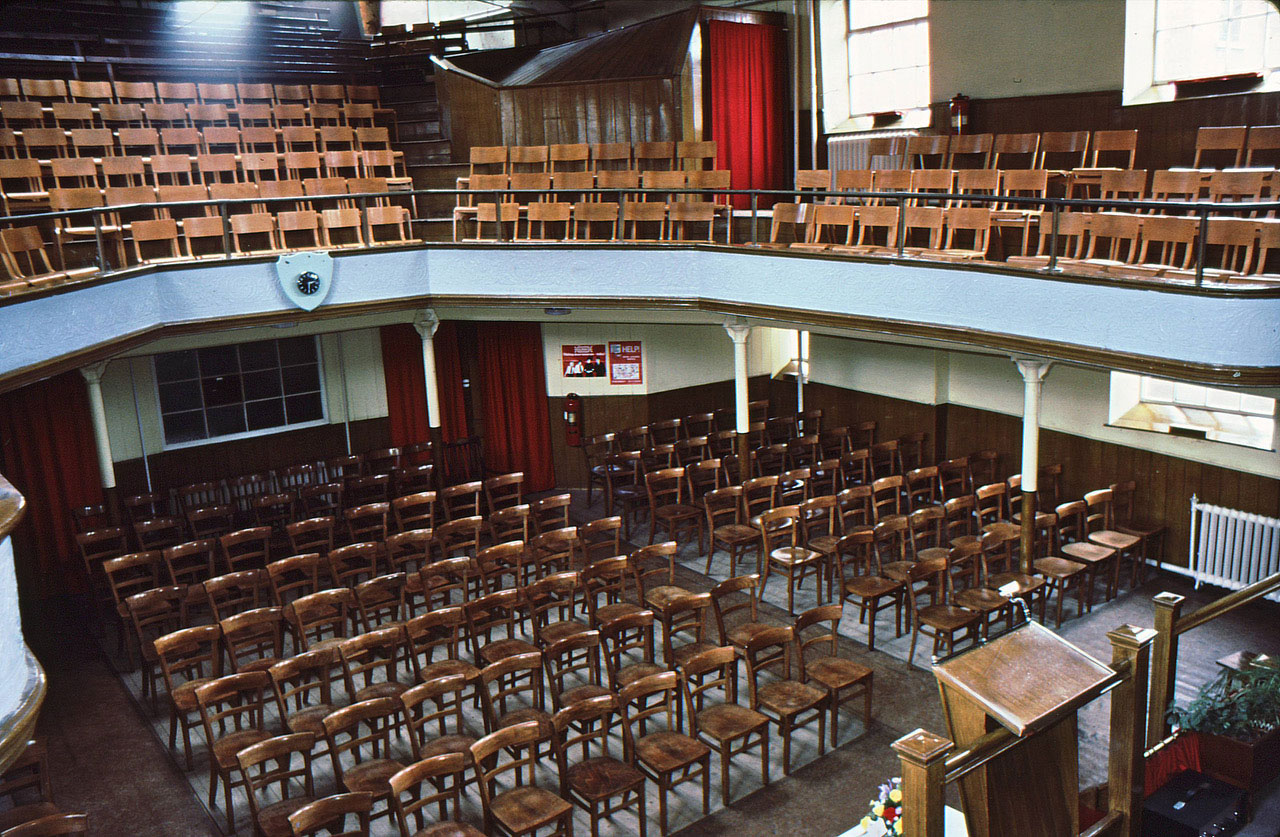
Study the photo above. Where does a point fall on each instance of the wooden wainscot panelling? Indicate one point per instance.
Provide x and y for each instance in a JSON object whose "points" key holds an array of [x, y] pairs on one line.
{"points": [[223, 460], [1166, 130], [1165, 483], [470, 111], [894, 417]]}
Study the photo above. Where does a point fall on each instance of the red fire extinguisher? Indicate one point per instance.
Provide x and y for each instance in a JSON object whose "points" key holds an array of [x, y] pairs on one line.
{"points": [[573, 419], [959, 113]]}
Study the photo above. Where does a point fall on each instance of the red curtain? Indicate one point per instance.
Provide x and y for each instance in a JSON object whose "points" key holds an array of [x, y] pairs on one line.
{"points": [[747, 104], [513, 384], [406, 389], [47, 451]]}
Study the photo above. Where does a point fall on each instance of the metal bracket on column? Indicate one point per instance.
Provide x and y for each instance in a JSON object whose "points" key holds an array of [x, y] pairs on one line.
{"points": [[425, 322]]}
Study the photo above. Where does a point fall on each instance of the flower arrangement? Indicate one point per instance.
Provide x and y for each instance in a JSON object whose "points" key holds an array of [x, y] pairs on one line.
{"points": [[885, 815]]}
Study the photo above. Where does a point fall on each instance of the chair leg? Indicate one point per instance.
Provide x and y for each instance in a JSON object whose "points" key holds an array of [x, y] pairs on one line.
{"points": [[724, 773]]}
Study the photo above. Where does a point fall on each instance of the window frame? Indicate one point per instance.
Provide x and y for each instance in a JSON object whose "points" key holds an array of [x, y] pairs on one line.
{"points": [[1120, 407], [166, 445], [913, 116], [1140, 84]]}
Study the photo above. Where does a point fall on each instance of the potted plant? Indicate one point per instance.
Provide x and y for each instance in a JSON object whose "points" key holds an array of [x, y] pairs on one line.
{"points": [[1237, 716]]}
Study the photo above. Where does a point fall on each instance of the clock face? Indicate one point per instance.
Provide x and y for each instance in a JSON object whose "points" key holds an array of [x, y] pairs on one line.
{"points": [[308, 283]]}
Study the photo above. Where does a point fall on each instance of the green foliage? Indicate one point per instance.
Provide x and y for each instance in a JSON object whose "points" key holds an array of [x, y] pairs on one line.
{"points": [[1243, 705]]}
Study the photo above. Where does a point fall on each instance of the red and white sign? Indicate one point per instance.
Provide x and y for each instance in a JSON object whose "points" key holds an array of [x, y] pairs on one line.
{"points": [[582, 361], [625, 365]]}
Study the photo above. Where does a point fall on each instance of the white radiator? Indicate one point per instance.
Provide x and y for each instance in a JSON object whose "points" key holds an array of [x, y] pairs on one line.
{"points": [[1231, 548], [853, 151]]}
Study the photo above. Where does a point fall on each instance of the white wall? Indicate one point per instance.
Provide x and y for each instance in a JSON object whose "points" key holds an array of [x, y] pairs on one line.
{"points": [[1003, 48], [359, 352], [1075, 399], [673, 356]]}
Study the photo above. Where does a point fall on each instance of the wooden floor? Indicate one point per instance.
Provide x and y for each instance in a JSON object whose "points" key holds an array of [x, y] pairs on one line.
{"points": [[107, 759]]}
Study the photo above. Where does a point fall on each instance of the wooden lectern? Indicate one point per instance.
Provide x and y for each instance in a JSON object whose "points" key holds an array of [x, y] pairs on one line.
{"points": [[1031, 682]]}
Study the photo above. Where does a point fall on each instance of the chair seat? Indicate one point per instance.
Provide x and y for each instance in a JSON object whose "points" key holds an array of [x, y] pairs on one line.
{"points": [[630, 674], [1059, 568], [184, 695], [871, 586], [1003, 529], [310, 719], [226, 747], [373, 776], [659, 598], [602, 777], [273, 819], [793, 556], [963, 540], [727, 721], [934, 558], [665, 750], [390, 689], [527, 808], [836, 672], [740, 635], [676, 511], [1090, 553], [503, 648], [580, 693], [446, 744], [519, 716], [1111, 539], [1025, 583], [1141, 529], [736, 534], [823, 544], [613, 611], [897, 570], [789, 697], [448, 668], [681, 655], [450, 829], [981, 599], [555, 631], [946, 617]]}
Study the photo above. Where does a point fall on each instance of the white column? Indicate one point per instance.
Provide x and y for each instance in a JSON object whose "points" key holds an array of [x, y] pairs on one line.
{"points": [[426, 322], [1033, 371], [93, 378], [739, 332]]}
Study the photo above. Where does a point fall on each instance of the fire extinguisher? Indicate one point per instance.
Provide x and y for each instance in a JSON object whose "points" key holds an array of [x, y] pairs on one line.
{"points": [[573, 419], [959, 113]]}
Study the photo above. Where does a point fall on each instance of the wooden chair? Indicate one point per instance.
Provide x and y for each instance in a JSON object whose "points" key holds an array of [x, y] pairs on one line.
{"points": [[945, 621], [589, 213], [1124, 520], [787, 702], [26, 788], [359, 738], [599, 539], [1024, 146], [232, 711], [322, 620], [863, 582], [329, 815], [254, 233], [424, 784], [923, 148], [524, 808], [604, 584], [1262, 138], [1069, 150], [734, 602], [442, 628], [666, 490], [726, 527], [1072, 538], [975, 149], [52, 825], [667, 755], [627, 644], [286, 761], [724, 725], [1226, 142], [967, 573], [842, 678]]}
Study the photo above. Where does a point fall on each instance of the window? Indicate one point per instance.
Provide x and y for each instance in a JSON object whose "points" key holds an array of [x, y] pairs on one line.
{"points": [[1183, 409], [228, 391], [1169, 41], [888, 46]]}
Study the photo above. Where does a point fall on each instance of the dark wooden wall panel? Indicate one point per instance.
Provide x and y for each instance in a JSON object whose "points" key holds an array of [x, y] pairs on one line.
{"points": [[1166, 131], [174, 468], [1165, 483], [471, 113], [642, 110]]}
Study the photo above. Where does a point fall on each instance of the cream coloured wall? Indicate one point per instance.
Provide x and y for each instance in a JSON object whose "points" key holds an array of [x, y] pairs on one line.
{"points": [[674, 356], [358, 352], [1075, 399]]}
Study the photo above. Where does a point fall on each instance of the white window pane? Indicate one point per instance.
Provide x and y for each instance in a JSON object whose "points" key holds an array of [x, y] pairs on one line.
{"points": [[1258, 404], [1220, 399], [1188, 393], [1156, 389]]}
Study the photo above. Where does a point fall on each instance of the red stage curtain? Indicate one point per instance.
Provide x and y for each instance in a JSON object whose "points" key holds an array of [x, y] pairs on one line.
{"points": [[47, 452], [746, 104], [406, 389], [513, 384]]}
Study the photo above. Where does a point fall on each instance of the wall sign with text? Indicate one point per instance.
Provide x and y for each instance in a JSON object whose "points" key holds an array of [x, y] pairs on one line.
{"points": [[624, 362], [582, 361]]}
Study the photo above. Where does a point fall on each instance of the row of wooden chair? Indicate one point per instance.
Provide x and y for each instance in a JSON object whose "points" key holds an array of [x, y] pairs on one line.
{"points": [[634, 221], [641, 156], [97, 92], [47, 144]]}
